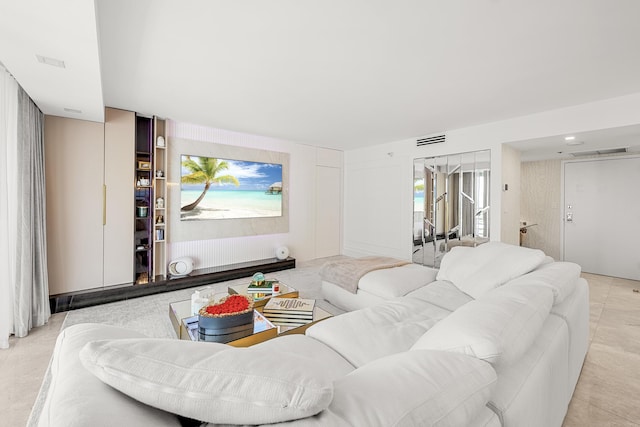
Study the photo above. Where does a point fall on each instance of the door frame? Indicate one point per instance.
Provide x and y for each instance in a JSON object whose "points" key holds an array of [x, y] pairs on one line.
{"points": [[562, 200]]}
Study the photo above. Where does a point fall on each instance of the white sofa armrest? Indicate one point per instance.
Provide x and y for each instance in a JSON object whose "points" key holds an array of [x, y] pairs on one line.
{"points": [[77, 398]]}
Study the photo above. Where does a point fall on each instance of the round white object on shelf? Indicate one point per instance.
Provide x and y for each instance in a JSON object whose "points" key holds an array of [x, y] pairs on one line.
{"points": [[160, 141], [282, 252], [181, 266]]}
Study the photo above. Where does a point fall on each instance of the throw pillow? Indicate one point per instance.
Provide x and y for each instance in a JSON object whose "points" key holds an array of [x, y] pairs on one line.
{"points": [[212, 382]]}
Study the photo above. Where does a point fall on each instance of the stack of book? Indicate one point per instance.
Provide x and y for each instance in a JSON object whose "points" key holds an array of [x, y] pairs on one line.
{"points": [[290, 312], [263, 287]]}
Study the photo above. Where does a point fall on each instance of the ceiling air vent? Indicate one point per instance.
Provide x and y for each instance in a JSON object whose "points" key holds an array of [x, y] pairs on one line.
{"points": [[430, 140], [599, 152]]}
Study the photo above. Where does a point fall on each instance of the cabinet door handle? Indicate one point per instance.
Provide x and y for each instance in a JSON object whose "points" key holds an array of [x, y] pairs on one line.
{"points": [[104, 204]]}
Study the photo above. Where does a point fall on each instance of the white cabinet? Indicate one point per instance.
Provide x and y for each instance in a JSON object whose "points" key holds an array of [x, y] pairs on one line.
{"points": [[119, 131], [89, 176]]}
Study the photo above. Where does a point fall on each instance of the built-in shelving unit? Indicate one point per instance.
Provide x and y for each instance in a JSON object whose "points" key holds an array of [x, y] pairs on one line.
{"points": [[160, 199], [144, 201]]}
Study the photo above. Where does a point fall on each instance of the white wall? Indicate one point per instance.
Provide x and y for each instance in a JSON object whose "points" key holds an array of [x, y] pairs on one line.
{"points": [[304, 225], [378, 179]]}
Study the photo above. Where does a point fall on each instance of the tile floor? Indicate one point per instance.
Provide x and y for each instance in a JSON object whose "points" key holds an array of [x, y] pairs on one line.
{"points": [[608, 392], [22, 368]]}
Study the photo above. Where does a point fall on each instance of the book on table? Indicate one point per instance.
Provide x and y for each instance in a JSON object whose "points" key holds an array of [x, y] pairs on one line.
{"points": [[290, 310], [262, 287], [289, 323]]}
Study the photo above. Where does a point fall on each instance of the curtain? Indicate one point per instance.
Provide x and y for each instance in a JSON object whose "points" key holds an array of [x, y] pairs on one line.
{"points": [[8, 198], [31, 292], [24, 290]]}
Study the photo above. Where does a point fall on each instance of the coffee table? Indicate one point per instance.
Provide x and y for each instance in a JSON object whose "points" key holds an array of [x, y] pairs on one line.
{"points": [[186, 325]]}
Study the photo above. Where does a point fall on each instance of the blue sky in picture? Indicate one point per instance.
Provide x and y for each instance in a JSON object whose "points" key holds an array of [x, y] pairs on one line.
{"points": [[253, 176]]}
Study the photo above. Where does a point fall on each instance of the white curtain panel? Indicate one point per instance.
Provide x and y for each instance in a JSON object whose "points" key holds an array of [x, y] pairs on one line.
{"points": [[24, 290], [31, 290], [8, 200]]}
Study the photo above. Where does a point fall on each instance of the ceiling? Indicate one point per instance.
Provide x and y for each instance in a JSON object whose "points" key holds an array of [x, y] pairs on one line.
{"points": [[578, 144], [337, 73]]}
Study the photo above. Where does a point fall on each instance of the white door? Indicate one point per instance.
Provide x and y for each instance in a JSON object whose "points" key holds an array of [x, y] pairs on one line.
{"points": [[602, 216], [328, 219], [119, 176]]}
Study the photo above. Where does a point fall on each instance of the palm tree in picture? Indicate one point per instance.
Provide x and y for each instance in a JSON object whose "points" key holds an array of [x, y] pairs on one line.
{"points": [[206, 170]]}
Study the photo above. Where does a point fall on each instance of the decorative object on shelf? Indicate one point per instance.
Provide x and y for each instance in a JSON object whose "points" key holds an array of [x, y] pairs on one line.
{"points": [[142, 211], [159, 174], [282, 252], [160, 219], [160, 203], [144, 165], [160, 141], [181, 266], [143, 182], [160, 234]]}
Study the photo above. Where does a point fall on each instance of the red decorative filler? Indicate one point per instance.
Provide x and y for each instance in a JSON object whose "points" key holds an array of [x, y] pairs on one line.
{"points": [[231, 305]]}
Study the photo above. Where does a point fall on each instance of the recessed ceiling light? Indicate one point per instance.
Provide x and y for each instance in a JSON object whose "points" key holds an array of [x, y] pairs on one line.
{"points": [[73, 110], [569, 138], [50, 61]]}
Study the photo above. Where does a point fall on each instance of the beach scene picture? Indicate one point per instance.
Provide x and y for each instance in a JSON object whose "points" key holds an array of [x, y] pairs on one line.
{"points": [[214, 188]]}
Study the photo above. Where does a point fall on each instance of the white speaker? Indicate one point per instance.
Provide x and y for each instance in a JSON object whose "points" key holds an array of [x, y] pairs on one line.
{"points": [[181, 266], [282, 252]]}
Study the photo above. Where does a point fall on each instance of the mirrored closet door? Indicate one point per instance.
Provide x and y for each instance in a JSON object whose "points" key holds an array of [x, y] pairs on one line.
{"points": [[450, 204]]}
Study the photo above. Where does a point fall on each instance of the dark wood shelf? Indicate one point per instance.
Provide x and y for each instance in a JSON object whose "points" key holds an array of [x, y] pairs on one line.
{"points": [[161, 284]]}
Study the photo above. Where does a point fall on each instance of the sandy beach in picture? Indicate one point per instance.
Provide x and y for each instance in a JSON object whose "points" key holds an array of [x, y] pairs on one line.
{"points": [[232, 204]]}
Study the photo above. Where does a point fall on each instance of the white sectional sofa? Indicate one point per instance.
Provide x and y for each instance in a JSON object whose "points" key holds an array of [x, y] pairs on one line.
{"points": [[489, 342]]}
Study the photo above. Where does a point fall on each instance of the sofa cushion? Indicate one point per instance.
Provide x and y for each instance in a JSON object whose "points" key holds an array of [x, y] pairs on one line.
{"points": [[371, 333], [303, 345], [497, 327], [560, 277], [212, 382], [476, 271], [413, 388], [398, 281], [77, 398], [441, 293]]}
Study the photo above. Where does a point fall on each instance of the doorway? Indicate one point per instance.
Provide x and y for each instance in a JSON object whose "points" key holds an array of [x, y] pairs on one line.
{"points": [[601, 218]]}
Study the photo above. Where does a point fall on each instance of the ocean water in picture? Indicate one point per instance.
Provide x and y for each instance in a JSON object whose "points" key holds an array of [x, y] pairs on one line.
{"points": [[220, 204]]}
